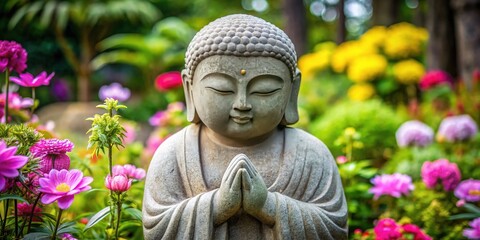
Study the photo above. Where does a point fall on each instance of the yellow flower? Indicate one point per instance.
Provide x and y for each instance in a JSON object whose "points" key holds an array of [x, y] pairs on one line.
{"points": [[408, 71], [375, 36], [361, 92], [404, 40], [367, 68], [311, 63], [347, 51]]}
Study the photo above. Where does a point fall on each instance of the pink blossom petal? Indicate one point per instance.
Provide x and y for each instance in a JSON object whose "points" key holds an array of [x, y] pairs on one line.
{"points": [[10, 173], [49, 198], [2, 182], [65, 201]]}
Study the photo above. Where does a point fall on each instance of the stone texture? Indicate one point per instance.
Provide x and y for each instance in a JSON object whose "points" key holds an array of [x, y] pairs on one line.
{"points": [[238, 171]]}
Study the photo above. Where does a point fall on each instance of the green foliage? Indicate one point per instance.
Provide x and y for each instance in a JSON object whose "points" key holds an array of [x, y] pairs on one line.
{"points": [[19, 135], [375, 121]]}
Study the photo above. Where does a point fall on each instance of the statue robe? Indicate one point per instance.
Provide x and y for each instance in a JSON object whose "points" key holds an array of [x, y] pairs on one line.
{"points": [[310, 202]]}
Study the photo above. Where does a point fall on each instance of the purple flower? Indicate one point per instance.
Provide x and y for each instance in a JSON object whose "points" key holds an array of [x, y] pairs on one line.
{"points": [[67, 236], [130, 171], [28, 80], [52, 154], [115, 91], [9, 163], [457, 128], [12, 57], [62, 186], [60, 90], [474, 232], [394, 185], [118, 183], [441, 170], [468, 190], [414, 133]]}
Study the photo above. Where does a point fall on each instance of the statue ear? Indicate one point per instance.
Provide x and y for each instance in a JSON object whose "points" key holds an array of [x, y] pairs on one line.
{"points": [[291, 110], [192, 115]]}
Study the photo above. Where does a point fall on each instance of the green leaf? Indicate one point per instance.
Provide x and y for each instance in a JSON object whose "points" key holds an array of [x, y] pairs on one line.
{"points": [[37, 236], [472, 208], [97, 218], [12, 196], [135, 213], [464, 216]]}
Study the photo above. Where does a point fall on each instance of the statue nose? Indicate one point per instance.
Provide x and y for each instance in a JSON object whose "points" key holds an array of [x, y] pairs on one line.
{"points": [[242, 104]]}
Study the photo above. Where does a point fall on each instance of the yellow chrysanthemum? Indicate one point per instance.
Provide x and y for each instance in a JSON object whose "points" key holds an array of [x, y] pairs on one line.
{"points": [[311, 63], [361, 92], [347, 51], [408, 71], [367, 68], [404, 40], [375, 36]]}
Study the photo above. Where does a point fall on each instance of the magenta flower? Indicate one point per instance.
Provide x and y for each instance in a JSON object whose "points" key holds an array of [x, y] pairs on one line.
{"points": [[394, 185], [457, 128], [9, 163], [28, 80], [15, 101], [414, 133], [115, 91], [130, 132], [168, 80], [387, 229], [435, 78], [443, 171], [468, 190], [67, 236], [12, 57], [118, 183], [130, 171], [62, 186], [474, 232], [25, 209], [52, 154]]}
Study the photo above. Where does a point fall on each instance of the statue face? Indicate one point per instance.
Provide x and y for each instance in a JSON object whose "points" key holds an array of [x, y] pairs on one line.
{"points": [[241, 98]]}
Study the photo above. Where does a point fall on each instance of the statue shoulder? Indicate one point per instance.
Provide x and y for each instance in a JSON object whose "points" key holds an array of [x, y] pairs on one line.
{"points": [[314, 147]]}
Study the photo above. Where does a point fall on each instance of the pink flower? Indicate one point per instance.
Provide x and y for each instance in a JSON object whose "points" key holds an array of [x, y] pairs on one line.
{"points": [[414, 133], [457, 128], [67, 236], [28, 80], [130, 133], [25, 209], [160, 118], [474, 232], [115, 91], [12, 57], [341, 159], [15, 101], [468, 190], [394, 185], [168, 80], [441, 170], [52, 154], [9, 163], [118, 183], [62, 186], [130, 171], [414, 230], [387, 229], [434, 78]]}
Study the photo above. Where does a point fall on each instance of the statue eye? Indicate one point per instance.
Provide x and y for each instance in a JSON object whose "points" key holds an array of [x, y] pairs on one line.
{"points": [[221, 91], [265, 92]]}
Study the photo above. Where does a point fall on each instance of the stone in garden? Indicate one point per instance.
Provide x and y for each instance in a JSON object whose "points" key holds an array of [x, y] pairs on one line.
{"points": [[238, 171]]}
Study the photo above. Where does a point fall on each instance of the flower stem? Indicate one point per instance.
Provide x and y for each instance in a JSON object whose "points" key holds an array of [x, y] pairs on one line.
{"points": [[15, 202], [33, 211], [5, 214], [54, 236], [33, 106], [7, 81], [119, 214]]}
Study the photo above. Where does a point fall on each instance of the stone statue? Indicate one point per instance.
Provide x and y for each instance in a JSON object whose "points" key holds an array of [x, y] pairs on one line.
{"points": [[238, 172]]}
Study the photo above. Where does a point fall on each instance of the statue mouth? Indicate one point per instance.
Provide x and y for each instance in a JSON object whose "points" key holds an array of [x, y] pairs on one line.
{"points": [[241, 119]]}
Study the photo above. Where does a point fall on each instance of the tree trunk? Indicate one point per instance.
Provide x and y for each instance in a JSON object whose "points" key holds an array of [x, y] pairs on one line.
{"points": [[441, 51], [341, 27], [385, 13], [296, 24], [467, 19]]}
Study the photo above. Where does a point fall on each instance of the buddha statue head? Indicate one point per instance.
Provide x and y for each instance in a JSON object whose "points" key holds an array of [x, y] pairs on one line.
{"points": [[241, 78]]}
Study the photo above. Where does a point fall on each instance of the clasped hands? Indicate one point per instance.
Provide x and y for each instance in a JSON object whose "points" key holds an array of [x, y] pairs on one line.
{"points": [[242, 187]]}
